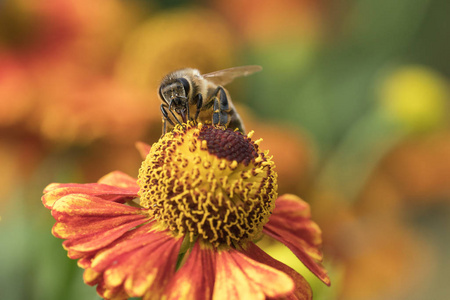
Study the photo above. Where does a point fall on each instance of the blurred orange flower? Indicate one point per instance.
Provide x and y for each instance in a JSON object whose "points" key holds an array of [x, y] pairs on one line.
{"points": [[56, 70], [74, 109], [377, 251], [419, 168], [265, 20], [291, 149], [16, 92]]}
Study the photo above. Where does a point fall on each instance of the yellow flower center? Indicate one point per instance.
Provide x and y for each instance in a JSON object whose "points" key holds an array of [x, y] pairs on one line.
{"points": [[209, 183]]}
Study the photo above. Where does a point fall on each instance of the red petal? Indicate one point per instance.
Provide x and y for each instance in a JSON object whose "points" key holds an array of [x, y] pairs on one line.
{"points": [[239, 277], [90, 223], [55, 191], [302, 289], [120, 179], [290, 224], [143, 149], [195, 279], [140, 262]]}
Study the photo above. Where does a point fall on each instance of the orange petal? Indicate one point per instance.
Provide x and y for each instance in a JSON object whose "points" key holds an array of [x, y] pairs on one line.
{"points": [[127, 243], [143, 149], [111, 294], [90, 223], [195, 279], [290, 224], [140, 262], [120, 179], [90, 276], [239, 277], [302, 288], [55, 191]]}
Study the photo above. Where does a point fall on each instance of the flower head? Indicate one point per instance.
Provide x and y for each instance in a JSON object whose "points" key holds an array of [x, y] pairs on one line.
{"points": [[186, 229], [209, 183]]}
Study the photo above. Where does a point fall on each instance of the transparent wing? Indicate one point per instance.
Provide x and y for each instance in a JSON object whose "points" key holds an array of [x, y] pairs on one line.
{"points": [[226, 76]]}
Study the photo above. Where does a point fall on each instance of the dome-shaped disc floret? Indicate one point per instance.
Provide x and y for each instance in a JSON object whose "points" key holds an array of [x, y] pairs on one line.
{"points": [[209, 183]]}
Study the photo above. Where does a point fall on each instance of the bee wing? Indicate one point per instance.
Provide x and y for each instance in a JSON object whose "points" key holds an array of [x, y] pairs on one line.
{"points": [[226, 76]]}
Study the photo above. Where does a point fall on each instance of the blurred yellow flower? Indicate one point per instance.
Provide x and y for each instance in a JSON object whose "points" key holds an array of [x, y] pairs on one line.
{"points": [[416, 97], [171, 40]]}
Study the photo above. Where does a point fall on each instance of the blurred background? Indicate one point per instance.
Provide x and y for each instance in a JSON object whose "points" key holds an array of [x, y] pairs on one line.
{"points": [[353, 103]]}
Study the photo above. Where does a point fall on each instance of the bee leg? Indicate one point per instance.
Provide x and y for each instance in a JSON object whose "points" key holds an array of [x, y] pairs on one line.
{"points": [[188, 115], [221, 107], [163, 108], [171, 111], [165, 118], [199, 99], [164, 129]]}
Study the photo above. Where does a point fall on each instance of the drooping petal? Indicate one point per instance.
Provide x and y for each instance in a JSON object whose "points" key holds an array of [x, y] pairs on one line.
{"points": [[89, 223], [239, 277], [302, 288], [140, 262], [120, 179], [290, 223], [111, 294], [195, 279], [90, 276], [55, 191], [143, 149]]}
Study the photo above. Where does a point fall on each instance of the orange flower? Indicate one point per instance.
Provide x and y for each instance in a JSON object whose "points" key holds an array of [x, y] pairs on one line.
{"points": [[186, 228], [266, 20], [54, 60]]}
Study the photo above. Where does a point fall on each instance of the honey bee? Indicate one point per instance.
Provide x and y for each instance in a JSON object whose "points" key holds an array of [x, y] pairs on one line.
{"points": [[187, 95]]}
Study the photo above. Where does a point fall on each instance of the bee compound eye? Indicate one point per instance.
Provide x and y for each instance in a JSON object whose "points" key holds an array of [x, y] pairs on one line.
{"points": [[185, 84]]}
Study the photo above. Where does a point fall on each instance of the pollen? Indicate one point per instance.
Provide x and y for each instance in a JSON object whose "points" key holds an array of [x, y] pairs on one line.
{"points": [[209, 183]]}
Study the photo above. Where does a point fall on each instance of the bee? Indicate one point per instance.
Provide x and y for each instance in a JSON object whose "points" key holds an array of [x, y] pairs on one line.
{"points": [[187, 95]]}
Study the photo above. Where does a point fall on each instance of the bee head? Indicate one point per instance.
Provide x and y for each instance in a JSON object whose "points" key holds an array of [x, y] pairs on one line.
{"points": [[175, 93]]}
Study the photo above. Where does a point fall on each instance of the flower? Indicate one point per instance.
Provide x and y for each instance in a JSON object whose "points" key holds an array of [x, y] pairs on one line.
{"points": [[264, 21], [187, 228], [418, 169], [290, 147], [158, 46], [416, 97], [15, 90], [55, 62]]}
